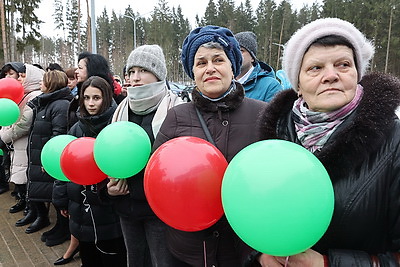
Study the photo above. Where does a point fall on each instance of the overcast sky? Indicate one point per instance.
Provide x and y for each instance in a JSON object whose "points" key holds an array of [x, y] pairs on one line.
{"points": [[189, 8]]}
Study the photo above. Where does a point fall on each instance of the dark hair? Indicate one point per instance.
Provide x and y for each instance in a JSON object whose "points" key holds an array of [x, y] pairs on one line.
{"points": [[97, 65], [103, 86], [333, 40], [54, 80], [54, 66]]}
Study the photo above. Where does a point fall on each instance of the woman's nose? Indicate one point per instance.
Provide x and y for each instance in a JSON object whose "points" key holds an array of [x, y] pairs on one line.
{"points": [[330, 75], [210, 67]]}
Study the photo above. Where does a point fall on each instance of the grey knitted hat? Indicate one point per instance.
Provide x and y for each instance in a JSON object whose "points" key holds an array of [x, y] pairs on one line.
{"points": [[248, 40], [301, 40], [149, 57]]}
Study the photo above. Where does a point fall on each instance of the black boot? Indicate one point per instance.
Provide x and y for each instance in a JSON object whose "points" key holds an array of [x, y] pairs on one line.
{"points": [[55, 227], [30, 217], [21, 192], [61, 233], [42, 219], [4, 186]]}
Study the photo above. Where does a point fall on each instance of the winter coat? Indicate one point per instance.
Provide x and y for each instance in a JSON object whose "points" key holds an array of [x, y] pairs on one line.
{"points": [[89, 208], [362, 158], [231, 122], [135, 204], [49, 120], [262, 84], [16, 135]]}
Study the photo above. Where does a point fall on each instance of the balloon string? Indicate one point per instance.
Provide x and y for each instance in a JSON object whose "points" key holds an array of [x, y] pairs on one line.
{"points": [[287, 261]]}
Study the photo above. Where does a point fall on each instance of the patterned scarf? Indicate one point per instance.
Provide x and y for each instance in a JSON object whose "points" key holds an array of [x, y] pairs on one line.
{"points": [[314, 128]]}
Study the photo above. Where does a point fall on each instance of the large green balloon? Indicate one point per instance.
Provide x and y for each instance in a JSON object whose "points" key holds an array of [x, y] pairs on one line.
{"points": [[9, 112], [122, 149], [51, 155], [277, 197]]}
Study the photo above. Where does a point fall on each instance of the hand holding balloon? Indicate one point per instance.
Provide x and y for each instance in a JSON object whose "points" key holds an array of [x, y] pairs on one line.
{"points": [[278, 197], [117, 187]]}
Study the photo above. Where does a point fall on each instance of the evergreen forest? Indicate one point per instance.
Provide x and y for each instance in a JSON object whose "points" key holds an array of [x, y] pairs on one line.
{"points": [[167, 26]]}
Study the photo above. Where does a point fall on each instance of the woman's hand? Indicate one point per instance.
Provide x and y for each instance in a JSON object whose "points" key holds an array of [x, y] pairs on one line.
{"points": [[309, 258], [117, 187], [269, 261], [64, 213]]}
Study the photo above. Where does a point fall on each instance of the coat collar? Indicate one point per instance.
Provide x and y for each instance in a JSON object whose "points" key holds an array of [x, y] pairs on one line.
{"points": [[371, 121], [229, 102]]}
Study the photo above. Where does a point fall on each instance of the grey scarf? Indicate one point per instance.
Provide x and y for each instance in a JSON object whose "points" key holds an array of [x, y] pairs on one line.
{"points": [[146, 98]]}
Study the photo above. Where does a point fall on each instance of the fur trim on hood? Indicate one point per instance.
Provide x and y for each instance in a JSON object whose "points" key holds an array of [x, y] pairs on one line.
{"points": [[365, 129]]}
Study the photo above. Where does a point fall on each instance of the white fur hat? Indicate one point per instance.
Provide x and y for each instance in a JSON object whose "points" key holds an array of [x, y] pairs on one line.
{"points": [[301, 40]]}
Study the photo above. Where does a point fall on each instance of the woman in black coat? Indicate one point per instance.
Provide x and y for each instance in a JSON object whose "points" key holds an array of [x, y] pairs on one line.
{"points": [[347, 119], [97, 228], [49, 120]]}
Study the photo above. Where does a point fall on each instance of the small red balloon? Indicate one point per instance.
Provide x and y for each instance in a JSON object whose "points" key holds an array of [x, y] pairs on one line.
{"points": [[77, 162], [12, 89], [182, 182]]}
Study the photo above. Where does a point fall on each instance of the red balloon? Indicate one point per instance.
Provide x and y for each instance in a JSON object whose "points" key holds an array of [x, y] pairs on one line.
{"points": [[182, 182], [77, 162], [12, 89]]}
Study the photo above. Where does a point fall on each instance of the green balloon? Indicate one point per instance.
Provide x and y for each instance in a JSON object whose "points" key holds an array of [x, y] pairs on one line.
{"points": [[1, 152], [278, 197], [51, 155], [9, 112], [122, 149]]}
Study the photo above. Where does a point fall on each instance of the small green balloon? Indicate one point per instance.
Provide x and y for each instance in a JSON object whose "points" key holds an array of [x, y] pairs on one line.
{"points": [[122, 149], [1, 152], [278, 197], [51, 155], [9, 112]]}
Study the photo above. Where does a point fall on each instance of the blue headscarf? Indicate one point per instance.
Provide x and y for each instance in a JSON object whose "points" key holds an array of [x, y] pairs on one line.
{"points": [[210, 33]]}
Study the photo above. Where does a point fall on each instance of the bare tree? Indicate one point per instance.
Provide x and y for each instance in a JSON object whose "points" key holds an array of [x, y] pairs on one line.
{"points": [[3, 31]]}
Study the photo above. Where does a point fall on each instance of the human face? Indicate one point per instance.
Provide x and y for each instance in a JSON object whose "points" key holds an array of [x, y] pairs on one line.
{"points": [[93, 98], [212, 71], [43, 88], [328, 77], [139, 76], [72, 83], [21, 78], [12, 74], [247, 62], [81, 71]]}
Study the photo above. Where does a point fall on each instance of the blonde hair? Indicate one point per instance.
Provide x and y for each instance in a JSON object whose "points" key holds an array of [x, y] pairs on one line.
{"points": [[54, 80]]}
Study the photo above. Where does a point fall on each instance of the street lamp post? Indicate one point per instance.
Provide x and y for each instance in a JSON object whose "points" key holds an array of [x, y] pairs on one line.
{"points": [[134, 28], [134, 18]]}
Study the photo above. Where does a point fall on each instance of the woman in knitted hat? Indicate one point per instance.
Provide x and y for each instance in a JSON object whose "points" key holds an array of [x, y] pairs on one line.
{"points": [[211, 57], [146, 104], [347, 119]]}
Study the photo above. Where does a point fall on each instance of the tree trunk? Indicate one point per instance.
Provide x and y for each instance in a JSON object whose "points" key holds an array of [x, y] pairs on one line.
{"points": [[3, 31]]}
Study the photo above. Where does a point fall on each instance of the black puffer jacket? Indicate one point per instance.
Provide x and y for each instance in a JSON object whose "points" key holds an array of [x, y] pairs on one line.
{"points": [[231, 122], [88, 206], [49, 120], [362, 158]]}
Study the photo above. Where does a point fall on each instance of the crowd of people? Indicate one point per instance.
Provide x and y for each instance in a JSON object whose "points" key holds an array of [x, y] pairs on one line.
{"points": [[335, 109]]}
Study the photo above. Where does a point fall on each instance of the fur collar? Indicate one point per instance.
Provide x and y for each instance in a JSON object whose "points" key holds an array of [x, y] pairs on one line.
{"points": [[362, 135], [229, 102]]}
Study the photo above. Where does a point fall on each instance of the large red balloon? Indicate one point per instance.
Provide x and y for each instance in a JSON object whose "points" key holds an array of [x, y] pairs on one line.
{"points": [[182, 182], [77, 162], [12, 89]]}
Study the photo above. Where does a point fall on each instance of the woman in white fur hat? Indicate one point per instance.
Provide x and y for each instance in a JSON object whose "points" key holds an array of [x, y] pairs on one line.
{"points": [[347, 119]]}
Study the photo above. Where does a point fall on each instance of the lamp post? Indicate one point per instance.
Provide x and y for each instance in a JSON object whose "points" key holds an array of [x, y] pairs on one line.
{"points": [[134, 18]]}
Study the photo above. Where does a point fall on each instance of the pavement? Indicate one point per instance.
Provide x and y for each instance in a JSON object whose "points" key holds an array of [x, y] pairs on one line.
{"points": [[25, 250]]}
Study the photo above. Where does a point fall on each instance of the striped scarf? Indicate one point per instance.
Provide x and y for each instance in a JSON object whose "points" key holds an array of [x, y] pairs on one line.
{"points": [[314, 128]]}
